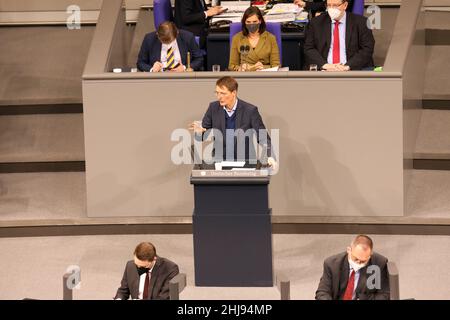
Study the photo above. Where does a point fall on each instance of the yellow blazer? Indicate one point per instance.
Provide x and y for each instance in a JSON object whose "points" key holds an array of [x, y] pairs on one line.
{"points": [[265, 51]]}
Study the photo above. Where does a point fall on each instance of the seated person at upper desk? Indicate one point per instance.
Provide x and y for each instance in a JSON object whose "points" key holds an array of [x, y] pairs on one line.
{"points": [[147, 276], [253, 48], [358, 274], [339, 40], [193, 15], [229, 114], [318, 6], [167, 50]]}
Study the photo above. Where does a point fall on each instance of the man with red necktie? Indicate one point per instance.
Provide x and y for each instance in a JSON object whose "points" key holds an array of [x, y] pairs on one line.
{"points": [[353, 275], [339, 40]]}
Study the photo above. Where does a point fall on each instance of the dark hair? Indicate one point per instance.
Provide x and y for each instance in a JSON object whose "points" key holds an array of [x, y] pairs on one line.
{"points": [[145, 251], [227, 82], [363, 240], [250, 12], [167, 31]]}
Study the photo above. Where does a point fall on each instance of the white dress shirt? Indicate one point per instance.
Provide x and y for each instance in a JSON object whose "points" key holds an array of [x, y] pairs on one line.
{"points": [[356, 281], [142, 283], [342, 46]]}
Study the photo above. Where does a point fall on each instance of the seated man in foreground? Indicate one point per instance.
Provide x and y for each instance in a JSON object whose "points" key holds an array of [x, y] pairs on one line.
{"points": [[167, 50], [358, 274], [147, 276]]}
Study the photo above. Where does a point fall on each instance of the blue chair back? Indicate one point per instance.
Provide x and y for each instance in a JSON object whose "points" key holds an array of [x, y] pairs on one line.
{"points": [[272, 27], [358, 7], [162, 11]]}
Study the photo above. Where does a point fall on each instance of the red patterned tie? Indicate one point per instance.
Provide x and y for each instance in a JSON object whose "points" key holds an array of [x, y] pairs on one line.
{"points": [[336, 44], [146, 283], [348, 295]]}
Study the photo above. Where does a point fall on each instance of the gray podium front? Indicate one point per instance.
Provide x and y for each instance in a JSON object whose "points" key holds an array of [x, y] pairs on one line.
{"points": [[232, 228]]}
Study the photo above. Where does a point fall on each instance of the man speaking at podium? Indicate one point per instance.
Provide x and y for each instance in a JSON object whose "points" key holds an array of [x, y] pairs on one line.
{"points": [[235, 122]]}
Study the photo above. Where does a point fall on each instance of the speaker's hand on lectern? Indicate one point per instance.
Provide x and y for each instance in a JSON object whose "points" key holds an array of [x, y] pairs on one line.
{"points": [[273, 164], [196, 126]]}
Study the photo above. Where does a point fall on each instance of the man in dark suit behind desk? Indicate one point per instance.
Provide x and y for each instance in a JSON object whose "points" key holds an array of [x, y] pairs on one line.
{"points": [[339, 40], [167, 48], [234, 119], [358, 274], [193, 15], [148, 276]]}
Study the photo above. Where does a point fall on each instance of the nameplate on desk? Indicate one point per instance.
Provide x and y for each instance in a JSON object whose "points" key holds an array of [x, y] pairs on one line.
{"points": [[229, 173]]}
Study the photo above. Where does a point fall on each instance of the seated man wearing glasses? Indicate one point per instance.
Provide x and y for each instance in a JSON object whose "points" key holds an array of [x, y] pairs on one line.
{"points": [[339, 40]]}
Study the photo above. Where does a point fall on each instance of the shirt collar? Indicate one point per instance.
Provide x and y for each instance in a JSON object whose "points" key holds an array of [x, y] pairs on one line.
{"points": [[234, 107], [173, 44]]}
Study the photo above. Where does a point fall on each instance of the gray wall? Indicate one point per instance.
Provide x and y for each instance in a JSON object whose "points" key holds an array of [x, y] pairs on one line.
{"points": [[340, 153]]}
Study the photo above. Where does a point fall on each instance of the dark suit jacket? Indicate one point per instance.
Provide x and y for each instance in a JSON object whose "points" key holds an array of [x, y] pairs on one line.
{"points": [[151, 51], [359, 41], [336, 271], [247, 117], [190, 15], [163, 271]]}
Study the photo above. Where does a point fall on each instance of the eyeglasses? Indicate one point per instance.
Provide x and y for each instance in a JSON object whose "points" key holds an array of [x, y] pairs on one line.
{"points": [[220, 94], [334, 5]]}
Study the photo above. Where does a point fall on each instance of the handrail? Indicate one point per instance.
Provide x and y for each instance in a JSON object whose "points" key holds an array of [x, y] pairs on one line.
{"points": [[103, 41], [403, 36], [243, 75]]}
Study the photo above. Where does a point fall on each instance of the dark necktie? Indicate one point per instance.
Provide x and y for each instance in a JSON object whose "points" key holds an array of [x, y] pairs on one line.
{"points": [[348, 295], [336, 44], [146, 283]]}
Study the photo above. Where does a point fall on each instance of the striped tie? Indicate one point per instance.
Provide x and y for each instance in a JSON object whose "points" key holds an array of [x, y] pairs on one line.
{"points": [[170, 58]]}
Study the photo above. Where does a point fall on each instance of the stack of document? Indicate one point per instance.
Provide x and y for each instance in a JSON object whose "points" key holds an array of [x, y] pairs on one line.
{"points": [[283, 12], [234, 13]]}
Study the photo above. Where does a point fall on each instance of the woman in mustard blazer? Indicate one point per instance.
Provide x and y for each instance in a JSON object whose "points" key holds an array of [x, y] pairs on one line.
{"points": [[253, 48]]}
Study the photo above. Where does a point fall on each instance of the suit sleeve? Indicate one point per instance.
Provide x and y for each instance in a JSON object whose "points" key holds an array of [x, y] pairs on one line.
{"points": [[196, 54], [164, 293], [324, 291], [274, 53], [366, 47], [143, 62], [313, 55], [188, 15], [207, 118], [258, 124], [123, 292], [234, 63]]}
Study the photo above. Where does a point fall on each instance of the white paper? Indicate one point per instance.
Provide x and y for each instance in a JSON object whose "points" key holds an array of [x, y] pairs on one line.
{"points": [[270, 69], [243, 169], [285, 8], [232, 19], [283, 17], [233, 163], [236, 6]]}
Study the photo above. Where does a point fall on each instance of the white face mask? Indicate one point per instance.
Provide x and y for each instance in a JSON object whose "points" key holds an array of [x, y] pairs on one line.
{"points": [[356, 266], [334, 13]]}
